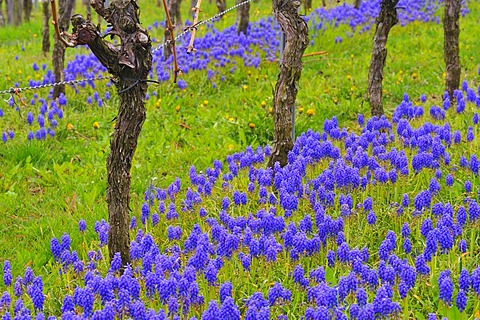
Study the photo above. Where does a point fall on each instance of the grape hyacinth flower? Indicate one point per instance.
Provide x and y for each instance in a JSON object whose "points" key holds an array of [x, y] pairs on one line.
{"points": [[82, 225], [7, 273], [445, 287]]}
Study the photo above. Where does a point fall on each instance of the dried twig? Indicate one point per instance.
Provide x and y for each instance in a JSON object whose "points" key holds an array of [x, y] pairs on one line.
{"points": [[193, 27], [170, 28], [57, 29]]}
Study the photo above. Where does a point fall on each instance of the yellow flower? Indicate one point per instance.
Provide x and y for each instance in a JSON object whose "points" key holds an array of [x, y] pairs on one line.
{"points": [[310, 112], [353, 88], [252, 125], [414, 75], [335, 100], [177, 108], [444, 74], [20, 71], [157, 103], [326, 90], [263, 103], [230, 146], [205, 102], [300, 110], [349, 77], [270, 110], [96, 125], [231, 119], [245, 87], [69, 126]]}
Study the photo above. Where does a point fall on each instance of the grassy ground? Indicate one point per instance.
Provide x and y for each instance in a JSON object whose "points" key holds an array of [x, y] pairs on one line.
{"points": [[47, 186]]}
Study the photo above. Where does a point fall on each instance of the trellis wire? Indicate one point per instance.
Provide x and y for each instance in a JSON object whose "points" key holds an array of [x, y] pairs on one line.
{"points": [[76, 81], [48, 85]]}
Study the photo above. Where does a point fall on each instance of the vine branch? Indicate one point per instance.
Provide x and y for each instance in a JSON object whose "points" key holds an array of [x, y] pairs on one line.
{"points": [[170, 28], [193, 27]]}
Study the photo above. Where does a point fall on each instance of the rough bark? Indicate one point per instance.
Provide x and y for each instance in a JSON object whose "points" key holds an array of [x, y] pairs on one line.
{"points": [[58, 55], [451, 32], [386, 19], [9, 11], [178, 16], [357, 3], [243, 13], [174, 9], [296, 35], [17, 12], [27, 9], [130, 64], [46, 28], [2, 18], [221, 5]]}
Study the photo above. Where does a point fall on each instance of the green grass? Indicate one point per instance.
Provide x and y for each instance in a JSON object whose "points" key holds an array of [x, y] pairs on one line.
{"points": [[46, 187]]}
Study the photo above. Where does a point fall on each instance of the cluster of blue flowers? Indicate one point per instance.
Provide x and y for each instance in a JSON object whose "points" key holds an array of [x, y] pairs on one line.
{"points": [[305, 218], [216, 51], [285, 217]]}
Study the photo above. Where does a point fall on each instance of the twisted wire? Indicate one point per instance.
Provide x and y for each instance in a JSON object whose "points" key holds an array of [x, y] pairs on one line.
{"points": [[48, 85]]}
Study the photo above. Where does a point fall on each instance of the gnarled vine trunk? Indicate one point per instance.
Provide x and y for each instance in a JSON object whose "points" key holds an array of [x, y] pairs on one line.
{"points": [[451, 49], [27, 9], [243, 14], [386, 19], [17, 12], [2, 18], [296, 36], [58, 56], [173, 7], [221, 5], [9, 11], [130, 64], [46, 28]]}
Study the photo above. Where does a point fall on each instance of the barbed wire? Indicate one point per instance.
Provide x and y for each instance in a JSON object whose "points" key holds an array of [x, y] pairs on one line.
{"points": [[16, 90], [49, 85], [189, 28]]}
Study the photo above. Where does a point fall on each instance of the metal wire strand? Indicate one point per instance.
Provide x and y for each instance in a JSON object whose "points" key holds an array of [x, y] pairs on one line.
{"points": [[49, 85]]}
